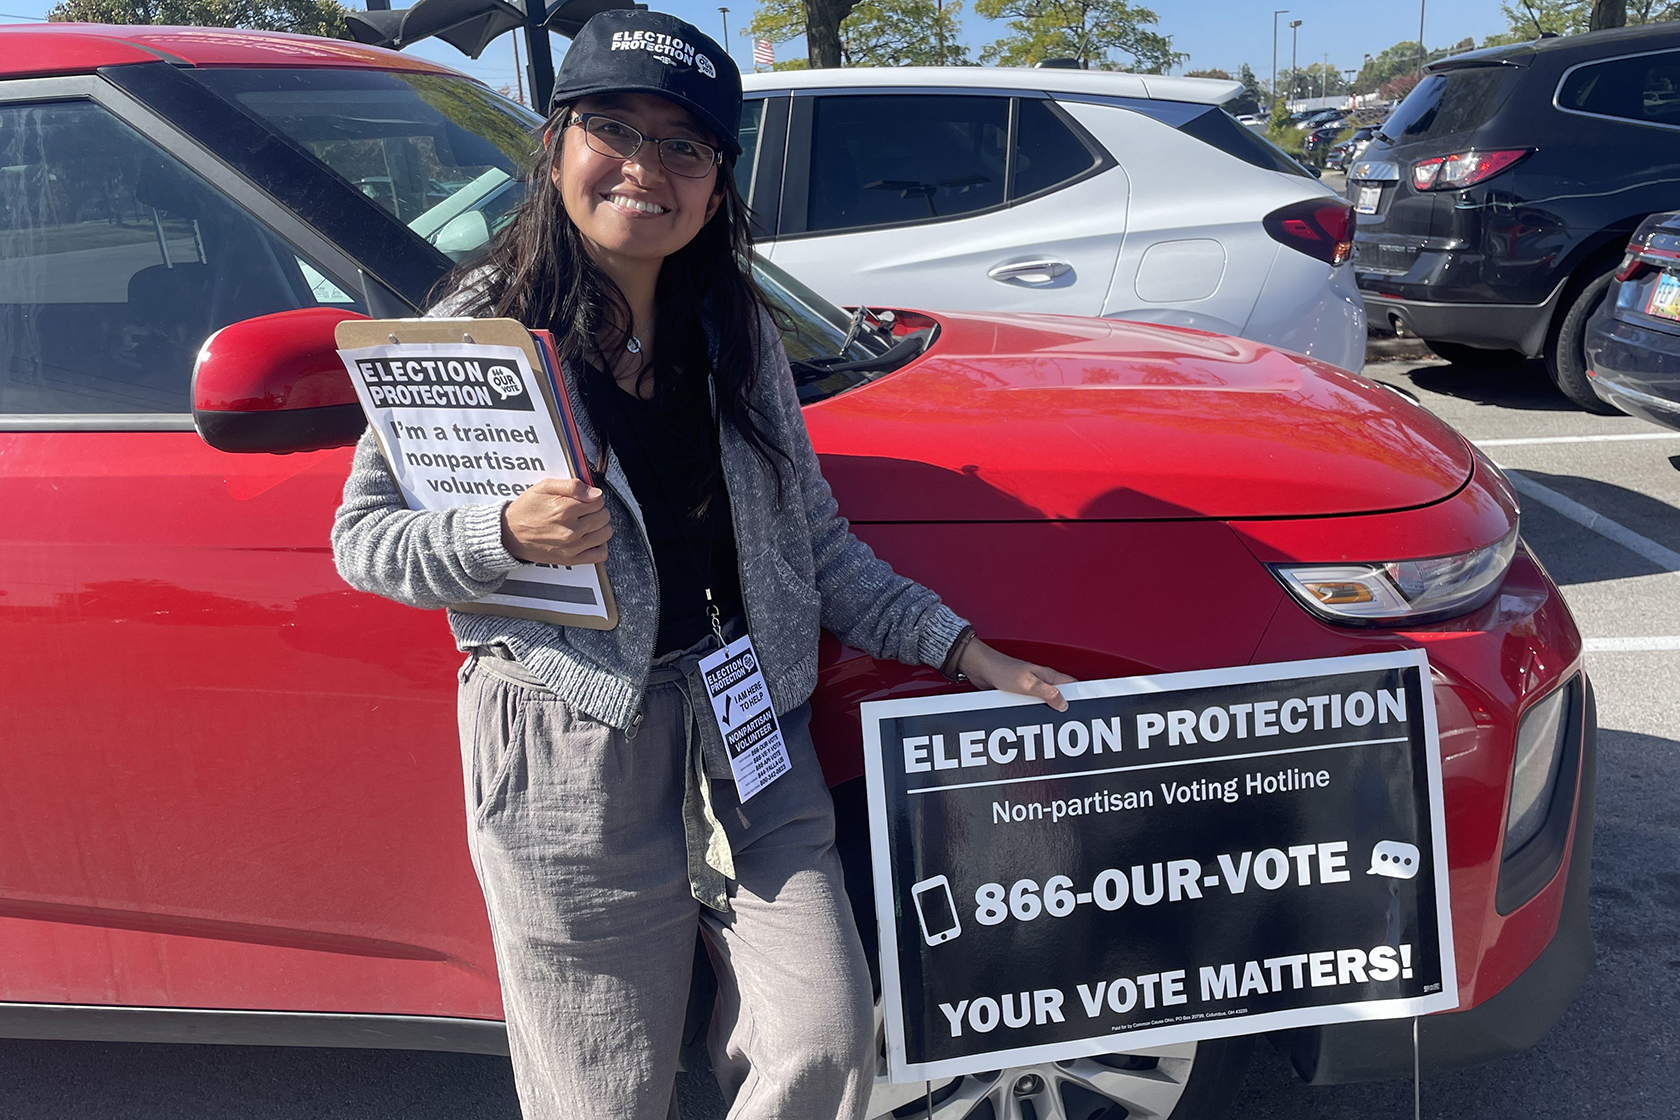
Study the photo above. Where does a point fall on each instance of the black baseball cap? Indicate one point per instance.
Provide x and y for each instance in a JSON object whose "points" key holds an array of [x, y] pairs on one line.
{"points": [[637, 51]]}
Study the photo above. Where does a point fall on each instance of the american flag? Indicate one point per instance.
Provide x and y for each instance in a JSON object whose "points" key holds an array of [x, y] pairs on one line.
{"points": [[764, 53]]}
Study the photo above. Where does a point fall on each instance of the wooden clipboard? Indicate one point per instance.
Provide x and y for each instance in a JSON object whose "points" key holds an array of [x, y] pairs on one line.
{"points": [[356, 334]]}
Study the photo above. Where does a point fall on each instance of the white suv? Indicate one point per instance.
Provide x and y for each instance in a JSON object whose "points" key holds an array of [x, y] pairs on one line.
{"points": [[1071, 191]]}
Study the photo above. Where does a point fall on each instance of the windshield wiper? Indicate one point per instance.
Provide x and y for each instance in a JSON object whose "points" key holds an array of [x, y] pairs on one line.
{"points": [[855, 327]]}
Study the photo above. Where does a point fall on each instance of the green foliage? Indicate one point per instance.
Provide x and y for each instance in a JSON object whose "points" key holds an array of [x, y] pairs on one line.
{"points": [[1254, 95], [306, 17], [1401, 60], [1526, 19], [1281, 130], [1317, 80], [1088, 30], [1222, 75], [876, 33]]}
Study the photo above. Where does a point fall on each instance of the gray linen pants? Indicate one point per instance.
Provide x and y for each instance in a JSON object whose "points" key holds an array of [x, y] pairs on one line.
{"points": [[576, 832]]}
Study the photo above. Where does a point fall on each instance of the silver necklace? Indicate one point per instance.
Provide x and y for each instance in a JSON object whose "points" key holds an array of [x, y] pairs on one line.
{"points": [[634, 345]]}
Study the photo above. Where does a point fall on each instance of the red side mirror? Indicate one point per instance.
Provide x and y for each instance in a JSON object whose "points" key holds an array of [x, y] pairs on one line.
{"points": [[275, 384]]}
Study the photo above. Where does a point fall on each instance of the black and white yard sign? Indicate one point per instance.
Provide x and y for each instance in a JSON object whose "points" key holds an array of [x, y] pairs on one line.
{"points": [[1175, 857]]}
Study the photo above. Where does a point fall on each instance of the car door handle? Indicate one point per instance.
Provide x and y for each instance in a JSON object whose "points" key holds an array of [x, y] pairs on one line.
{"points": [[1030, 272]]}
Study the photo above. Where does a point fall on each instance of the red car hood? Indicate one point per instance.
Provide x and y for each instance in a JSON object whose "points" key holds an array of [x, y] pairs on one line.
{"points": [[1032, 417]]}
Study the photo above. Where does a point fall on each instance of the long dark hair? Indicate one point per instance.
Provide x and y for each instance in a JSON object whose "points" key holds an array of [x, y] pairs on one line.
{"points": [[538, 272]]}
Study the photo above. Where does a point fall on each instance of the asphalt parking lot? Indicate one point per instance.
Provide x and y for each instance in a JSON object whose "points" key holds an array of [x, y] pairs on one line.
{"points": [[1601, 508]]}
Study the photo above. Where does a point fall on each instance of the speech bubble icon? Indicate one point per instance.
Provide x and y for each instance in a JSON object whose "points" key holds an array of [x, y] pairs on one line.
{"points": [[1395, 858], [504, 381]]}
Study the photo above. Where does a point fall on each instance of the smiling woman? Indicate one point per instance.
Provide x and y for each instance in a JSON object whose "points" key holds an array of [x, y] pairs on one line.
{"points": [[610, 825]]}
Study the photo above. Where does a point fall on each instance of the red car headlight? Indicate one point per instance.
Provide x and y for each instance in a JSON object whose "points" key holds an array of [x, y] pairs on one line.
{"points": [[1400, 592]]}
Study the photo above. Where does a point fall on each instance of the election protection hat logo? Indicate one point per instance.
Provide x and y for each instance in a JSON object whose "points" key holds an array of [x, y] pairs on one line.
{"points": [[636, 51]]}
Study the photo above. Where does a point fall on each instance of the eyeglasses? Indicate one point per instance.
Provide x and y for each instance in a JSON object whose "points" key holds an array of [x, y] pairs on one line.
{"points": [[689, 158]]}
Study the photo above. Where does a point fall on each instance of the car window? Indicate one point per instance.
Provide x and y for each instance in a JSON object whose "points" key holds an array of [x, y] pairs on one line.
{"points": [[752, 120], [1451, 103], [893, 159], [1646, 88], [442, 154], [1046, 150], [116, 262], [1217, 128]]}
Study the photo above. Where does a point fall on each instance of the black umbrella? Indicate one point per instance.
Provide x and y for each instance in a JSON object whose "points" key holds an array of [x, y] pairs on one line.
{"points": [[471, 25]]}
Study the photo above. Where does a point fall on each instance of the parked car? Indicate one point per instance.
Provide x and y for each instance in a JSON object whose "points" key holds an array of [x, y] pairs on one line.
{"points": [[1341, 155], [1318, 118], [1497, 200], [1320, 139], [1633, 339], [1069, 191], [233, 786]]}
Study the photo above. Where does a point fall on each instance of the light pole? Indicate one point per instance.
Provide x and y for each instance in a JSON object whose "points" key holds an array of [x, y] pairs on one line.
{"points": [[724, 12], [939, 27], [1353, 98], [1421, 54], [1294, 35], [1279, 12]]}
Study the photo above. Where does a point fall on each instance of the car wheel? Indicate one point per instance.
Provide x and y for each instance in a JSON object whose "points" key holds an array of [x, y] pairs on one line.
{"points": [[1187, 1081], [1474, 357], [1566, 351]]}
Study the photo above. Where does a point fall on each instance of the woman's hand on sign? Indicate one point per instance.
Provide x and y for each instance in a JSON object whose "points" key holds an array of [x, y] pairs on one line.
{"points": [[985, 667], [557, 521]]}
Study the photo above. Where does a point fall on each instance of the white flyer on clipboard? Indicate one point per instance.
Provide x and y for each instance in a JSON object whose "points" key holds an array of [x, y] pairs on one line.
{"points": [[465, 424]]}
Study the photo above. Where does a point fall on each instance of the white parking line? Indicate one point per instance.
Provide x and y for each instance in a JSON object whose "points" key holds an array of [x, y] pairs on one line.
{"points": [[1664, 558], [1622, 437], [1632, 645]]}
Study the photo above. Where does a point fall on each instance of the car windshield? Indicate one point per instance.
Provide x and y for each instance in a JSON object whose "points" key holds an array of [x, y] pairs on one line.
{"points": [[442, 154], [1449, 104]]}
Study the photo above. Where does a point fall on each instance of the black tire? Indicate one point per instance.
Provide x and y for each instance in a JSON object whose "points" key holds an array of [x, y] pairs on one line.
{"points": [[1474, 357], [1221, 1067], [1566, 350], [1207, 1083]]}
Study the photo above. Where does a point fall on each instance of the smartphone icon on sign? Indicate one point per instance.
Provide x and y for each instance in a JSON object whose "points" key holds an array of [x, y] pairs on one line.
{"points": [[936, 909]]}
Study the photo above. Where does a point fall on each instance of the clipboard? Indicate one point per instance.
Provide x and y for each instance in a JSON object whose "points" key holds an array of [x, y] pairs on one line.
{"points": [[465, 409]]}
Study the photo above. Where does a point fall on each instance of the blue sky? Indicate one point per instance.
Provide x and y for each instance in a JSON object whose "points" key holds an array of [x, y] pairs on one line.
{"points": [[1216, 33]]}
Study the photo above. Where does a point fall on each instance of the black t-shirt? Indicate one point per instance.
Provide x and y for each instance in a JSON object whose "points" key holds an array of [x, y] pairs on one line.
{"points": [[670, 455]]}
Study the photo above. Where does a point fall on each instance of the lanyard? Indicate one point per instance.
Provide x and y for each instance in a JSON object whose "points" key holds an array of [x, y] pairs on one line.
{"points": [[705, 569]]}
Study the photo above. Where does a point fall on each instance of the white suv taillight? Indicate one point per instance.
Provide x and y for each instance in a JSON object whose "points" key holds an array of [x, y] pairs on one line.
{"points": [[1318, 227]]}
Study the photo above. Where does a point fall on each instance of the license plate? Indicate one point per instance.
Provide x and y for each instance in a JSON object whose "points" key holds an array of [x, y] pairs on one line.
{"points": [[1665, 298], [1369, 195]]}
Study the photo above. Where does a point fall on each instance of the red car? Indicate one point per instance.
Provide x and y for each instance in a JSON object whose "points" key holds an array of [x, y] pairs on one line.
{"points": [[231, 784]]}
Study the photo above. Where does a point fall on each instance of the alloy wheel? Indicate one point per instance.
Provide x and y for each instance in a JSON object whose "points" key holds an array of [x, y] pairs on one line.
{"points": [[1144, 1084]]}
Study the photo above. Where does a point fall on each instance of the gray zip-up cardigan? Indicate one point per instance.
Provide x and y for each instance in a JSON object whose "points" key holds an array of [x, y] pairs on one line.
{"points": [[801, 568]]}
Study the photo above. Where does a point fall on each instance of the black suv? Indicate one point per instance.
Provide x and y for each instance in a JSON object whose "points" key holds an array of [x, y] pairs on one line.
{"points": [[1497, 199]]}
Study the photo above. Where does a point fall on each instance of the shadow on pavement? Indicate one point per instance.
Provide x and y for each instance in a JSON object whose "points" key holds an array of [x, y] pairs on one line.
{"points": [[1575, 555], [1612, 1053], [1526, 387]]}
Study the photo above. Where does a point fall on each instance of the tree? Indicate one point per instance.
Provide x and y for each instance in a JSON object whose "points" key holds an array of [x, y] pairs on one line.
{"points": [[306, 17], [1527, 19], [1399, 60], [1317, 80], [1254, 94], [1085, 30], [1222, 75], [822, 31], [875, 32]]}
